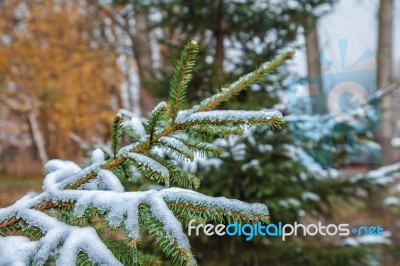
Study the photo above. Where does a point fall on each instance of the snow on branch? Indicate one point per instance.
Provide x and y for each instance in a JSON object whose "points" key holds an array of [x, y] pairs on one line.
{"points": [[73, 240], [64, 223], [243, 82], [118, 208], [232, 117], [381, 176]]}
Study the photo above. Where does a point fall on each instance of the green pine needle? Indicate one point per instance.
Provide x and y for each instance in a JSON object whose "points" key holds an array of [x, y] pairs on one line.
{"points": [[202, 148], [181, 78], [155, 117], [178, 176], [167, 245], [116, 134], [178, 132], [243, 83]]}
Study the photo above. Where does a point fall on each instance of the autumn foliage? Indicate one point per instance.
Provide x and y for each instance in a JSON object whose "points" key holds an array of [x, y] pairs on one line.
{"points": [[57, 64]]}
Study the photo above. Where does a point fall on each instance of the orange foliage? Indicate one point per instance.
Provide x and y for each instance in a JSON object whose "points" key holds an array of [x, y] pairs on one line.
{"points": [[57, 54]]}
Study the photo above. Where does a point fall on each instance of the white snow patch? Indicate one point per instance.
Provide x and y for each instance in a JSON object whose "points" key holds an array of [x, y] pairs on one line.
{"points": [[310, 196], [368, 240], [396, 142], [391, 201], [97, 156]]}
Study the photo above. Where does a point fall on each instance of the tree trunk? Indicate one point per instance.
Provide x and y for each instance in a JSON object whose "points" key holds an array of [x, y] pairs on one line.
{"points": [[142, 51], [314, 67], [37, 136], [140, 46], [384, 66], [219, 41]]}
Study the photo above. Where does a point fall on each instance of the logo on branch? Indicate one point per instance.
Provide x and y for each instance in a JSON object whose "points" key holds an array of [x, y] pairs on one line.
{"points": [[342, 102]]}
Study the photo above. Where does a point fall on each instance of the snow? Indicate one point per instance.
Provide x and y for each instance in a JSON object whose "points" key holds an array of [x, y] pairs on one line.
{"points": [[118, 207], [124, 150], [73, 239], [97, 156], [396, 142], [203, 163], [114, 204], [16, 250], [56, 176], [176, 144], [220, 203], [54, 165], [172, 226], [86, 240], [252, 164], [150, 163], [110, 181], [265, 148], [368, 240], [381, 176], [299, 155], [391, 201], [233, 148], [310, 196], [136, 125], [232, 116], [105, 193], [294, 202]]}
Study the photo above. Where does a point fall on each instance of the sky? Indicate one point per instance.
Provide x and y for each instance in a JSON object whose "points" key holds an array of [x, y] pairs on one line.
{"points": [[356, 22]]}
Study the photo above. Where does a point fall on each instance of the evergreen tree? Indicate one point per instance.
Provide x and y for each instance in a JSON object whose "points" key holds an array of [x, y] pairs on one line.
{"points": [[85, 215], [271, 168], [234, 36]]}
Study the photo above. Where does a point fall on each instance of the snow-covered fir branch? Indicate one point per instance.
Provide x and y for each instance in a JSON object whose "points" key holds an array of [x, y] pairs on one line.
{"points": [[65, 222]]}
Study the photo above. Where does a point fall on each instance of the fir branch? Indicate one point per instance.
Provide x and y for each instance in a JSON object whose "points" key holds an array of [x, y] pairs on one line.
{"points": [[181, 78], [86, 175], [120, 250], [215, 208], [155, 117], [177, 147], [222, 131], [178, 176], [66, 191], [133, 136], [232, 118], [202, 148], [123, 170], [243, 82], [83, 260], [149, 167], [219, 127], [179, 255], [116, 134], [67, 216], [213, 213]]}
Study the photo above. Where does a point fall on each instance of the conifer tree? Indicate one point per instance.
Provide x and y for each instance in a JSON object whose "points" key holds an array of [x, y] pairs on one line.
{"points": [[270, 168], [86, 216]]}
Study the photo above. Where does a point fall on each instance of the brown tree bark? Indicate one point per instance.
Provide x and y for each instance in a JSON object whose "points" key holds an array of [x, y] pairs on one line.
{"points": [[37, 136], [142, 51], [384, 72], [314, 66], [140, 48], [219, 41]]}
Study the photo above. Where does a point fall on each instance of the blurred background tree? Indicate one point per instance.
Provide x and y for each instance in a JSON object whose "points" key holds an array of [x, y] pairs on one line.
{"points": [[59, 70], [235, 36]]}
